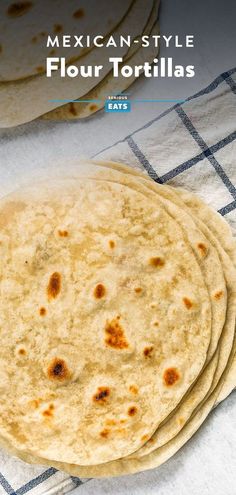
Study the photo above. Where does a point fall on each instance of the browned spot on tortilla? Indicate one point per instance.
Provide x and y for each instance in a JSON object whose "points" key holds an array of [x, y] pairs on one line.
{"points": [[52, 52], [63, 233], [133, 389], [147, 352], [104, 433], [72, 109], [122, 421], [22, 351], [40, 69], [58, 370], [111, 422], [144, 438], [112, 244], [171, 376], [202, 248], [115, 336], [34, 403], [58, 28], [42, 311], [174, 281], [34, 39], [122, 432], [156, 324], [187, 303], [156, 261], [138, 290], [93, 107], [132, 411], [47, 413], [218, 294], [78, 14], [18, 9], [181, 421], [54, 285], [101, 395], [125, 282], [183, 271], [99, 291]]}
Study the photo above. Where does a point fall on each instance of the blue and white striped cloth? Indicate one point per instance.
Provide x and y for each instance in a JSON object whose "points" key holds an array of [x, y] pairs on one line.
{"points": [[193, 145]]}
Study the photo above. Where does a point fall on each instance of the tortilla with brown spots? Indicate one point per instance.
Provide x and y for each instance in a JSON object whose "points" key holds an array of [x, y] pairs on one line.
{"points": [[84, 356], [223, 361], [16, 97], [24, 38]]}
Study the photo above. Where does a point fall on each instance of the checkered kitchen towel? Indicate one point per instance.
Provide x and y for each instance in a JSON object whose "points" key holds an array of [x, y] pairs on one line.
{"points": [[192, 144]]}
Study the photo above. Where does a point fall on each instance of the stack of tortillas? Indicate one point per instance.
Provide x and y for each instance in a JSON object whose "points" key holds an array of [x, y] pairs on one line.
{"points": [[117, 319], [25, 91]]}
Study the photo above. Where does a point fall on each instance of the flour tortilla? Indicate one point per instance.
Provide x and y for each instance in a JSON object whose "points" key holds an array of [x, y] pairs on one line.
{"points": [[197, 395], [24, 30], [202, 388], [150, 462], [52, 407], [25, 100], [110, 85], [219, 373]]}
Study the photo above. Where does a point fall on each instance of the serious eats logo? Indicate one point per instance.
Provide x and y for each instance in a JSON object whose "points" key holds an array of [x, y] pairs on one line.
{"points": [[117, 104]]}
